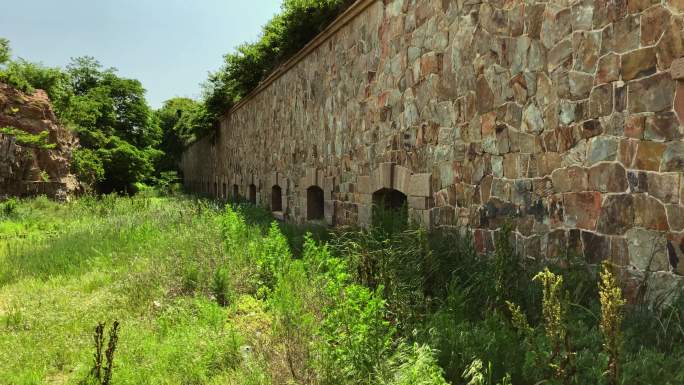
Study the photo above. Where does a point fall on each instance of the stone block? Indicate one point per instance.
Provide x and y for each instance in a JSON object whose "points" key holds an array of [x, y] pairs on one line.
{"points": [[663, 126], [617, 214], [366, 199], [608, 69], [652, 94], [420, 203], [382, 177], [648, 155], [401, 178], [421, 185], [647, 250], [601, 101], [639, 63], [596, 247], [673, 157], [311, 178], [329, 212], [582, 210], [570, 179], [653, 23], [679, 101], [602, 148], [608, 177], [677, 69], [649, 213], [663, 186], [675, 217], [363, 184]]}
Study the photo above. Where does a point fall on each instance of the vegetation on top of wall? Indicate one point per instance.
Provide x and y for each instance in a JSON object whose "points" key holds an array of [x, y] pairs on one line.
{"points": [[298, 22]]}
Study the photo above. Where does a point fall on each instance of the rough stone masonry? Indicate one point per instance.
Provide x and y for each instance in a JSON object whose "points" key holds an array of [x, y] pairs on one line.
{"points": [[564, 118]]}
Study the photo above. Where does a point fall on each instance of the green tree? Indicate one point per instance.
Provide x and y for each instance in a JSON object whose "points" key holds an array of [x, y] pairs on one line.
{"points": [[180, 119]]}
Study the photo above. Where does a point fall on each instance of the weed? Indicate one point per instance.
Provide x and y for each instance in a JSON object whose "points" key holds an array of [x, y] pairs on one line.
{"points": [[612, 304], [101, 372]]}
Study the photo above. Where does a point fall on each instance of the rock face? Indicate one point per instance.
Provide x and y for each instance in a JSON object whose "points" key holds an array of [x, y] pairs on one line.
{"points": [[562, 117], [26, 170]]}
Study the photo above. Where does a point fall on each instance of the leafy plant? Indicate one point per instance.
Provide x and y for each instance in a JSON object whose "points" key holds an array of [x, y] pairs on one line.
{"points": [[220, 286], [103, 367], [554, 310], [612, 304]]}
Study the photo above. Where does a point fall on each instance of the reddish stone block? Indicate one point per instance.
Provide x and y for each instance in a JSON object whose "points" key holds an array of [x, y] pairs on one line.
{"points": [[649, 213], [653, 23], [608, 69], [431, 63], [634, 126], [582, 210], [679, 100]]}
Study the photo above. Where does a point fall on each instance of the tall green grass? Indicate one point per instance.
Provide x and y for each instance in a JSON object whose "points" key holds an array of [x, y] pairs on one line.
{"points": [[214, 294]]}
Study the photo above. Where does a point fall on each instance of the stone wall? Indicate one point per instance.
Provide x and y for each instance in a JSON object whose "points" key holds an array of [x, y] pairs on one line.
{"points": [[562, 117]]}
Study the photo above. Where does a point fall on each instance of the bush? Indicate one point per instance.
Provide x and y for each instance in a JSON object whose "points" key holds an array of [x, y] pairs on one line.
{"points": [[8, 207]]}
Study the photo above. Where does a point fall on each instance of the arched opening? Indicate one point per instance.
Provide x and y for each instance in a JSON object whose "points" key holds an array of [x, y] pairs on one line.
{"points": [[225, 191], [236, 193], [390, 209], [276, 198], [252, 194], [314, 203]]}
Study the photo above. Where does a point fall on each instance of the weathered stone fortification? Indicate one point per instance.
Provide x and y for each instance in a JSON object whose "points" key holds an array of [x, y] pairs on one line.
{"points": [[25, 170], [562, 117]]}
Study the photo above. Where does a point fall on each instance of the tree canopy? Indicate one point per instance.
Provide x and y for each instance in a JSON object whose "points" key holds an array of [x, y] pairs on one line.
{"points": [[118, 131], [298, 22]]}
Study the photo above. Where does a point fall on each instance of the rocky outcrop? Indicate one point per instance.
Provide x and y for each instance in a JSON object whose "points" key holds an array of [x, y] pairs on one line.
{"points": [[26, 169]]}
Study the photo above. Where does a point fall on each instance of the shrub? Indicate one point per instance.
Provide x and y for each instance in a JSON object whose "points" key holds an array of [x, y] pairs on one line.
{"points": [[220, 286], [9, 207], [412, 365]]}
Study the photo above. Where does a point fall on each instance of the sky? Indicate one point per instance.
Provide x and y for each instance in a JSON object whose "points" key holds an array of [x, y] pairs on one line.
{"points": [[169, 45]]}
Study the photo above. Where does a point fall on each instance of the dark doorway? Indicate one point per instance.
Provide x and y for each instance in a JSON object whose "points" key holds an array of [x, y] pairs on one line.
{"points": [[276, 198], [236, 193], [252, 194], [314, 203], [225, 191], [390, 210]]}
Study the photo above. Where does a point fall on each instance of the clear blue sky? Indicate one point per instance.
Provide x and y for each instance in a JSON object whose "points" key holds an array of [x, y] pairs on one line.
{"points": [[169, 45]]}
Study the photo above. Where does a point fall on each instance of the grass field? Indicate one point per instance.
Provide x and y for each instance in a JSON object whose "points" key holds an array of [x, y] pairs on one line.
{"points": [[64, 268], [209, 295]]}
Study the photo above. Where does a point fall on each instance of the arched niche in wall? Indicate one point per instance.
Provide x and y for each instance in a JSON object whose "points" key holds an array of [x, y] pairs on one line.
{"points": [[276, 198], [252, 194], [236, 193], [315, 208], [390, 209]]}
